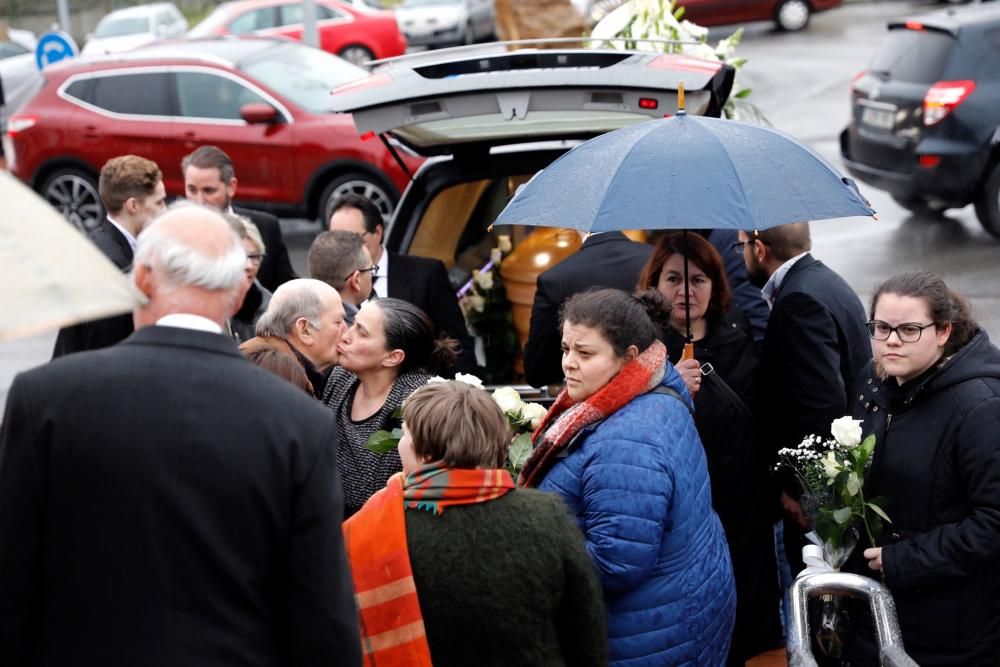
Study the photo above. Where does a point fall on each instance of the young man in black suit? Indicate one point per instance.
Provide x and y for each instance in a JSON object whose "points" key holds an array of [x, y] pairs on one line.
{"points": [[131, 189], [814, 349], [418, 280], [606, 259], [210, 179], [165, 502]]}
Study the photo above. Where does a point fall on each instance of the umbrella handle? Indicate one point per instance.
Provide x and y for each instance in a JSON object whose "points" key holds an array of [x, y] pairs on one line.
{"points": [[688, 352]]}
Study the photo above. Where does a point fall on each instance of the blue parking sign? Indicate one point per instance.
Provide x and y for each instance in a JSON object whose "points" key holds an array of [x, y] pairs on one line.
{"points": [[54, 46]]}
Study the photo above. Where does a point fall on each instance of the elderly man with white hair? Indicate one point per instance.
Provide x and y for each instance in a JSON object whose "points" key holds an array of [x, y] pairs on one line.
{"points": [[164, 502], [305, 319]]}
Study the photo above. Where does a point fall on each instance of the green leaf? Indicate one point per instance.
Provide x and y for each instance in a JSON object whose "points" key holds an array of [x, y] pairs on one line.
{"points": [[383, 442], [743, 94], [878, 510], [842, 516], [520, 450], [867, 446]]}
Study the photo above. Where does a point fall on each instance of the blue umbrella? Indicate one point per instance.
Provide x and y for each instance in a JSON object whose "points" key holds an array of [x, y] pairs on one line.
{"points": [[685, 172]]}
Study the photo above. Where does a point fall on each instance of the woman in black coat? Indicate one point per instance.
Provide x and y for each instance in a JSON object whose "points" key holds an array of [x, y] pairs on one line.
{"points": [[932, 399], [720, 378]]}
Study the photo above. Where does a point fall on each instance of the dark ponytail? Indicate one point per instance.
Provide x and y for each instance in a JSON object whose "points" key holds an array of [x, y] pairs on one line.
{"points": [[409, 329]]}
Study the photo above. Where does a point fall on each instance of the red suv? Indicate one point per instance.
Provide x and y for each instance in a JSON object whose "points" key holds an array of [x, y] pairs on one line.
{"points": [[264, 101], [354, 33]]}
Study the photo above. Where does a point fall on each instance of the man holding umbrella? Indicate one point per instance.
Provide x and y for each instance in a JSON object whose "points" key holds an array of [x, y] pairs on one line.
{"points": [[814, 348]]}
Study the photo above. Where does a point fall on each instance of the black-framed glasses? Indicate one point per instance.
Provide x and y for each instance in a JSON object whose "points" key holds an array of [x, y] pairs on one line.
{"points": [[373, 268], [908, 332], [740, 245], [255, 257]]}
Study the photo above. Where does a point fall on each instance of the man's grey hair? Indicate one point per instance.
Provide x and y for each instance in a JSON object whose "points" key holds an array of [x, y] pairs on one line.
{"points": [[302, 297], [335, 255], [185, 266]]}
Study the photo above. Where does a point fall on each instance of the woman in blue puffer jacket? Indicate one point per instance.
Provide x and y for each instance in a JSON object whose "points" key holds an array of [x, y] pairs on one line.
{"points": [[620, 446]]}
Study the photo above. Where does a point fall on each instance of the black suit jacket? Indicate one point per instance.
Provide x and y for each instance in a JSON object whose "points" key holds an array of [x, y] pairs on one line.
{"points": [[110, 330], [609, 259], [814, 350], [276, 267], [165, 502], [424, 283]]}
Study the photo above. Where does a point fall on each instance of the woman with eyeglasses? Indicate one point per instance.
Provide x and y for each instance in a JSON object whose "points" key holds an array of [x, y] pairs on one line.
{"points": [[720, 378], [931, 397], [243, 323], [390, 351]]}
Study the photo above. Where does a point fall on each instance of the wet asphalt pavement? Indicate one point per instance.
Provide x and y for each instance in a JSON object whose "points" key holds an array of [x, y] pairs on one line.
{"points": [[800, 82]]}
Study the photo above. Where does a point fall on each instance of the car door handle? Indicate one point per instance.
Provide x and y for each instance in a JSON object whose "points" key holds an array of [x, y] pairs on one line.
{"points": [[90, 132], [191, 137]]}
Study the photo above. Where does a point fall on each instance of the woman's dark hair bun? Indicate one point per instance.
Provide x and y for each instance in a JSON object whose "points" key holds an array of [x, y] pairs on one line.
{"points": [[657, 307], [444, 354]]}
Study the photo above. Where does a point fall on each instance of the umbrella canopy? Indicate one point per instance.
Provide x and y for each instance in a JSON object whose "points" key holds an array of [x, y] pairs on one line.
{"points": [[686, 172], [52, 275]]}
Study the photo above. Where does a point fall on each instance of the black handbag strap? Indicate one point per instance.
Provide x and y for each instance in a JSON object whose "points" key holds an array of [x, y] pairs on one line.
{"points": [[670, 391], [708, 371]]}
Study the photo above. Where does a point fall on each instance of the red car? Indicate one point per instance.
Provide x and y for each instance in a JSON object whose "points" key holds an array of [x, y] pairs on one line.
{"points": [[264, 101], [790, 15], [355, 34]]}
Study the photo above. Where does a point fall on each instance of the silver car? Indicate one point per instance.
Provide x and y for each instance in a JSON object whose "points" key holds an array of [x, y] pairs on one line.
{"points": [[132, 27], [445, 22]]}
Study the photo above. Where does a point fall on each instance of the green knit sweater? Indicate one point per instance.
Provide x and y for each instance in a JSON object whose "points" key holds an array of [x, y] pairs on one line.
{"points": [[506, 582]]}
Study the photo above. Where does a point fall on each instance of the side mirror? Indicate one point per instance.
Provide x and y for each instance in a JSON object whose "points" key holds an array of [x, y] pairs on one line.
{"points": [[258, 112]]}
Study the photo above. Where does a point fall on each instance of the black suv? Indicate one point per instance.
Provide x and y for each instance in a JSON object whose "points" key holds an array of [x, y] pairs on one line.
{"points": [[926, 114]]}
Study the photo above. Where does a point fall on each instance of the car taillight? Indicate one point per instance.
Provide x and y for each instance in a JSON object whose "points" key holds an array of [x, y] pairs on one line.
{"points": [[856, 78], [943, 98], [685, 63], [20, 122], [370, 81]]}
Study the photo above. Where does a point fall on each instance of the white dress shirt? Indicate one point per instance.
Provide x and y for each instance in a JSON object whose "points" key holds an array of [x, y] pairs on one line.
{"points": [[774, 282], [189, 321], [126, 233], [381, 283]]}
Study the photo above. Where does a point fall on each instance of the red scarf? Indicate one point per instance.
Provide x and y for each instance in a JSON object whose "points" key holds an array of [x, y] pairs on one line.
{"points": [[566, 418], [392, 626]]}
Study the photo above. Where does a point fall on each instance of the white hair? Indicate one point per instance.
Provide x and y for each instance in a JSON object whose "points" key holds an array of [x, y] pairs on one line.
{"points": [[185, 266], [302, 297]]}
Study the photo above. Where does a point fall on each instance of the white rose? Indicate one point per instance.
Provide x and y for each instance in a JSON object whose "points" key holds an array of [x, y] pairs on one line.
{"points": [[509, 400], [535, 413], [484, 279], [503, 243], [830, 466], [469, 379], [496, 256], [476, 302], [436, 378], [846, 431], [703, 51]]}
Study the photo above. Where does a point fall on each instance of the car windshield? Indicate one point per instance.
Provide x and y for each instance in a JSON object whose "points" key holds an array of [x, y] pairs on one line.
{"points": [[304, 75], [914, 56], [119, 27], [425, 3], [8, 49]]}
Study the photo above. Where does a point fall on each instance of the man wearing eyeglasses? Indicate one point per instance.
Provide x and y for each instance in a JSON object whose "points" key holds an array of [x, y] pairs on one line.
{"points": [[814, 349], [341, 259]]}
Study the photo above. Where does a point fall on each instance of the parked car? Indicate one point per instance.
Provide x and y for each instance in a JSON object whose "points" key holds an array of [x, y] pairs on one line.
{"points": [[446, 22], [789, 15], [126, 29], [926, 114], [355, 33], [19, 75], [488, 119], [264, 101]]}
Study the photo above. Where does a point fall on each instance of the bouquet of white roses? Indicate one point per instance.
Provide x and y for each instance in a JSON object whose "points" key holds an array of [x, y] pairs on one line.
{"points": [[832, 473], [522, 417]]}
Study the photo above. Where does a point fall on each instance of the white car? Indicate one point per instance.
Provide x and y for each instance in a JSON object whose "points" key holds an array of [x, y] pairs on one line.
{"points": [[130, 28], [19, 75], [445, 22]]}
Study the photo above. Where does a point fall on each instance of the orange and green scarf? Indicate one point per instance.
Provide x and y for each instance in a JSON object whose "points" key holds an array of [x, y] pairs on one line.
{"points": [[392, 627]]}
